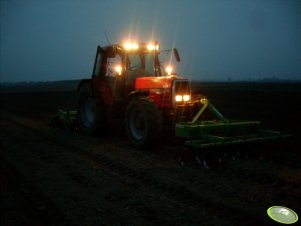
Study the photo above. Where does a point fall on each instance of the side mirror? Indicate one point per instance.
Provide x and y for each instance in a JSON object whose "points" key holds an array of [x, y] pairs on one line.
{"points": [[176, 54]]}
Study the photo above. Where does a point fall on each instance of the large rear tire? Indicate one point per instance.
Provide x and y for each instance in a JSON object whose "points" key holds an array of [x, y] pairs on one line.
{"points": [[143, 122], [91, 111]]}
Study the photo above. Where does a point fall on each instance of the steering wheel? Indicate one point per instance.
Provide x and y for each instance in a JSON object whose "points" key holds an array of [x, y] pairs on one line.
{"points": [[134, 67]]}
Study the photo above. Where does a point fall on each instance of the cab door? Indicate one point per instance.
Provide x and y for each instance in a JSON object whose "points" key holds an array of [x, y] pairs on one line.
{"points": [[100, 83], [114, 76], [98, 68]]}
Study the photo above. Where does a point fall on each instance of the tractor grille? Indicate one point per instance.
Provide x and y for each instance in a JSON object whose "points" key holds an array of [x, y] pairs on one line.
{"points": [[181, 87]]}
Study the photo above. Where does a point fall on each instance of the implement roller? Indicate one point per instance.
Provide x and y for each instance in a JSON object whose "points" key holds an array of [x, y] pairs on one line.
{"points": [[203, 134]]}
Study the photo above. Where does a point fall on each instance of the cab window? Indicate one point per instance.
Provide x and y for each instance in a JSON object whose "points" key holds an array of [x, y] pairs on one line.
{"points": [[141, 62], [114, 66]]}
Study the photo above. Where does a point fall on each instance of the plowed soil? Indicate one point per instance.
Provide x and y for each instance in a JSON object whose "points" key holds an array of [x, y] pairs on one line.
{"points": [[52, 176]]}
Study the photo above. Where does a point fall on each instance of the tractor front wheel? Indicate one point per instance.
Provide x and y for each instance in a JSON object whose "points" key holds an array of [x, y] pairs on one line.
{"points": [[143, 122]]}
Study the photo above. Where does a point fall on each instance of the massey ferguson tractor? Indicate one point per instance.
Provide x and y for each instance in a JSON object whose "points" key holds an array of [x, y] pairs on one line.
{"points": [[128, 83]]}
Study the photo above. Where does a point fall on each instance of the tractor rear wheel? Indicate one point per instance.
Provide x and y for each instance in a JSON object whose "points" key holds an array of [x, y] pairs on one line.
{"points": [[91, 111], [143, 122]]}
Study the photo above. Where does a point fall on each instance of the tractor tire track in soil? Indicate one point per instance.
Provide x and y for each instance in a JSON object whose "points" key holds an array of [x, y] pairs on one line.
{"points": [[39, 210], [133, 178], [127, 175]]}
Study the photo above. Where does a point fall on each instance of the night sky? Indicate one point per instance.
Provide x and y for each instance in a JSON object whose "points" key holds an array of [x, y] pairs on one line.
{"points": [[47, 40]]}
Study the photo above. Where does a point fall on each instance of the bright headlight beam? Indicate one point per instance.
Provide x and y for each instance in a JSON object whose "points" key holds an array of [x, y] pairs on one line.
{"points": [[131, 46], [118, 69], [186, 97], [169, 69], [179, 98], [151, 47], [135, 46]]}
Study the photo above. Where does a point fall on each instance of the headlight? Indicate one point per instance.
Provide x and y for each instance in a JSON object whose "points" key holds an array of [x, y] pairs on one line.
{"points": [[131, 46], [151, 47], [168, 70], [118, 69], [179, 98], [184, 98]]}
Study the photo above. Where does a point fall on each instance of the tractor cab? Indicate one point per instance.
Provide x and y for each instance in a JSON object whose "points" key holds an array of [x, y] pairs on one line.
{"points": [[121, 65]]}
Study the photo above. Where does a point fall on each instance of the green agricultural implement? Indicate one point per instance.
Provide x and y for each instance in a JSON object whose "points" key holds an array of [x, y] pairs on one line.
{"points": [[219, 132], [64, 119]]}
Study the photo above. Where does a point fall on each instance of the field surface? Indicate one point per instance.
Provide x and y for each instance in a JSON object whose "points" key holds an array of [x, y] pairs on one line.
{"points": [[52, 176]]}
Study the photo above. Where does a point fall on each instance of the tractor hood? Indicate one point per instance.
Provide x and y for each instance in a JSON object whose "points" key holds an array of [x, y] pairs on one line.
{"points": [[144, 83]]}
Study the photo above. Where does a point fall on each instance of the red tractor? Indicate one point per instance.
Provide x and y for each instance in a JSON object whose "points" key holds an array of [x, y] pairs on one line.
{"points": [[128, 83]]}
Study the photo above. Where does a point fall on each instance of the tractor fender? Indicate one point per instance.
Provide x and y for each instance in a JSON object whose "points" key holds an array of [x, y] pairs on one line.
{"points": [[82, 82], [95, 91], [136, 93]]}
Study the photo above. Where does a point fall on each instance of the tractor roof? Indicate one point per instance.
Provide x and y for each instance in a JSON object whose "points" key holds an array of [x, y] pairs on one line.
{"points": [[131, 47]]}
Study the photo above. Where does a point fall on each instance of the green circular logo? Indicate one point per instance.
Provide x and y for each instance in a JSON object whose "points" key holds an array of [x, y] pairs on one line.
{"points": [[282, 214]]}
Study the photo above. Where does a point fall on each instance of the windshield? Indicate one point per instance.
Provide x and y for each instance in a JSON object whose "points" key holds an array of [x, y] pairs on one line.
{"points": [[147, 63], [167, 59]]}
